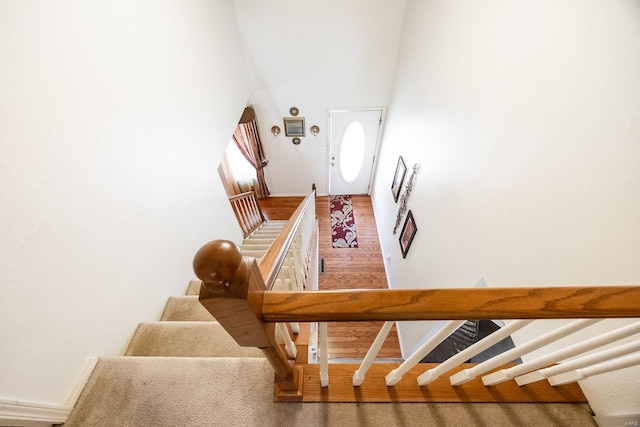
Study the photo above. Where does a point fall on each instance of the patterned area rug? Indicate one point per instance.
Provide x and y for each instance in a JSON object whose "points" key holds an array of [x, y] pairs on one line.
{"points": [[343, 226]]}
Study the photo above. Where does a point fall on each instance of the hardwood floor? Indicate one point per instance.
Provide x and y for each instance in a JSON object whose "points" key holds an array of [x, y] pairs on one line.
{"points": [[346, 268], [279, 208]]}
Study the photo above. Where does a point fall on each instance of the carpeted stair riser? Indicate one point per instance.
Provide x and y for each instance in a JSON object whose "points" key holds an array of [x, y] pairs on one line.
{"points": [[264, 237], [185, 308], [258, 241], [194, 287], [268, 229], [186, 339]]}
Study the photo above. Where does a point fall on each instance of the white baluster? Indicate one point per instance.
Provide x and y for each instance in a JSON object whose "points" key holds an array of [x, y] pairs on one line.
{"points": [[469, 352], [295, 327], [295, 268], [289, 345], [243, 225], [506, 357], [578, 363], [245, 218], [295, 255], [600, 368], [558, 355], [253, 212], [395, 376], [358, 376], [256, 209], [324, 356]]}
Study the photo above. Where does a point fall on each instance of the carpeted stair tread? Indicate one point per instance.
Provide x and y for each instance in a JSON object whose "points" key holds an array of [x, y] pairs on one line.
{"points": [[276, 228], [254, 253], [282, 284], [267, 235], [259, 240], [186, 339], [255, 246], [159, 392], [268, 230], [185, 308], [273, 225], [194, 287]]}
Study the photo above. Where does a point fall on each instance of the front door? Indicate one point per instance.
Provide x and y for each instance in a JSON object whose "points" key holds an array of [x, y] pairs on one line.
{"points": [[352, 149]]}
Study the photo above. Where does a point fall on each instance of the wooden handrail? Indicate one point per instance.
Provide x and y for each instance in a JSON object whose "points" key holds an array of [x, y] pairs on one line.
{"points": [[235, 291], [241, 196], [274, 257], [452, 304]]}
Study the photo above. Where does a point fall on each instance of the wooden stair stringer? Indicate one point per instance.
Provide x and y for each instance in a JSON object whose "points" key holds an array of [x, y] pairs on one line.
{"points": [[374, 388]]}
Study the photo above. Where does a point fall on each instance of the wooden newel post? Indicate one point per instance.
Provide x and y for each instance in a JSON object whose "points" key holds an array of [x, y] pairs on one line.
{"points": [[232, 291]]}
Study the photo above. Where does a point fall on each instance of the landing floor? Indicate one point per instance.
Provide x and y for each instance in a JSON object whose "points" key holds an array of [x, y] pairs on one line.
{"points": [[346, 268]]}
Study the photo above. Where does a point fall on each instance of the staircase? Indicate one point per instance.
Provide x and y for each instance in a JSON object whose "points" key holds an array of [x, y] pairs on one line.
{"points": [[185, 370], [292, 273]]}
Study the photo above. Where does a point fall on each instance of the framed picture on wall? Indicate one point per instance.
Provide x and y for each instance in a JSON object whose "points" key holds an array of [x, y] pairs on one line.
{"points": [[294, 126], [398, 178], [408, 233]]}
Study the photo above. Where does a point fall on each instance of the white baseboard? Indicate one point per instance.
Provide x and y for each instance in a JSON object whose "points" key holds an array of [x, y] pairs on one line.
{"points": [[16, 413], [81, 380], [630, 420], [290, 195]]}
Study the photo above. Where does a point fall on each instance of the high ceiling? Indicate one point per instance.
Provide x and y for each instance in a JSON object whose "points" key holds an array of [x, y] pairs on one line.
{"points": [[315, 55]]}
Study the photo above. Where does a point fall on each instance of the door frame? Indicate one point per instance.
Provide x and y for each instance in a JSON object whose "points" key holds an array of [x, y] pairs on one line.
{"points": [[376, 150]]}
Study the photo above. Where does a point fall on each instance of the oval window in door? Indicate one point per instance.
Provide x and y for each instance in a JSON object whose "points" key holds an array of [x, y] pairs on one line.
{"points": [[351, 154]]}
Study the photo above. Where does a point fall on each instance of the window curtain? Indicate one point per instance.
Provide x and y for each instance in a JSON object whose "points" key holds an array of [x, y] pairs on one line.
{"points": [[248, 141]]}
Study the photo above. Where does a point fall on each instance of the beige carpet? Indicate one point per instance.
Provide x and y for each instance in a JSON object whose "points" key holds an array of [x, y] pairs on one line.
{"points": [[158, 391], [186, 308], [186, 371], [186, 339]]}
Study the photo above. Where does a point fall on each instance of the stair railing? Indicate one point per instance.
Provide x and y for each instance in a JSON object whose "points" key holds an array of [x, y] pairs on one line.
{"points": [[247, 212], [588, 305], [236, 291], [274, 258], [234, 286]]}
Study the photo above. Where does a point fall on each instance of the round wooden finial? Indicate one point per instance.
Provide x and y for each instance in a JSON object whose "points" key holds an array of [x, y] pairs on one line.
{"points": [[218, 264]]}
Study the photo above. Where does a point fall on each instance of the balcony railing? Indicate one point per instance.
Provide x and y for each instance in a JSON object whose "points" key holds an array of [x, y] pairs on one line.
{"points": [[238, 292], [247, 212]]}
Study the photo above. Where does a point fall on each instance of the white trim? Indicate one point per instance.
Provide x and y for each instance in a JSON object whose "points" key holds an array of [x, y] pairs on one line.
{"points": [[27, 414], [292, 195], [18, 413], [629, 420], [376, 156], [81, 380]]}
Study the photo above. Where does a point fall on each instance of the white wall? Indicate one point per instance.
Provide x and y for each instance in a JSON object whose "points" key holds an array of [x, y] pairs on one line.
{"points": [[525, 117], [315, 55], [113, 118]]}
